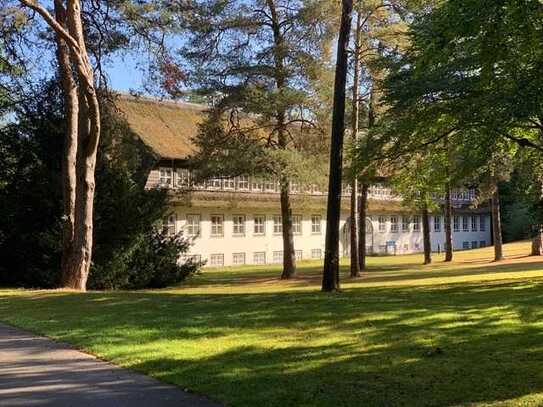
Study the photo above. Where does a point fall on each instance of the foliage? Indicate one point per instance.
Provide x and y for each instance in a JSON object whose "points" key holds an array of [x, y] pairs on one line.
{"points": [[30, 198], [460, 334]]}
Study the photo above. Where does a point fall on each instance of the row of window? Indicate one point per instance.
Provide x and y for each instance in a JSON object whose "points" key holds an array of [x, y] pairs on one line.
{"points": [[474, 244], [239, 226], [217, 259], [477, 222]]}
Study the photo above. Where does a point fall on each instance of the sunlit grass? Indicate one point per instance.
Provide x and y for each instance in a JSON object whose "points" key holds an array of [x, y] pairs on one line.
{"points": [[465, 333]]}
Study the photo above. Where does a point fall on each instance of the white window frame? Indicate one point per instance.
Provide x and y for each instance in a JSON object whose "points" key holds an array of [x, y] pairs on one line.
{"points": [[169, 224], [394, 224], [416, 223], [165, 176], [229, 184], [236, 259], [316, 253], [278, 257], [465, 223], [437, 223], [277, 225], [263, 225], [406, 221], [217, 229], [465, 245], [474, 223], [238, 229], [299, 255], [257, 256], [242, 183], [192, 228], [184, 178], [382, 220], [216, 260], [316, 224], [456, 223], [297, 228]]}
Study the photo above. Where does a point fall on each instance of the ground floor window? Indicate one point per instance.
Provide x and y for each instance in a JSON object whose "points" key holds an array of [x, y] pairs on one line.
{"points": [[437, 223], [297, 224], [238, 225], [474, 223], [259, 225], [217, 225], [316, 221], [465, 224], [259, 257], [456, 223], [192, 226], [474, 245], [238, 258], [482, 243], [168, 225], [394, 224], [416, 223], [299, 255], [316, 253], [216, 260], [277, 225], [382, 223], [482, 223], [405, 223], [278, 256], [465, 245]]}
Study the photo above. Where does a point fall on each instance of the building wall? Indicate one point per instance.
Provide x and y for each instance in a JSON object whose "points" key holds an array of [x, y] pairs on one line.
{"points": [[308, 244]]}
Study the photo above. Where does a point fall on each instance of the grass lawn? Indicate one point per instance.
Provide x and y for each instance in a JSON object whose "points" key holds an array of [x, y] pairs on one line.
{"points": [[460, 334]]}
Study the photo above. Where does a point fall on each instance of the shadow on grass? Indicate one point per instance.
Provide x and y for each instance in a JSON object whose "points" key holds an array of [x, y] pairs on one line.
{"points": [[433, 346]]}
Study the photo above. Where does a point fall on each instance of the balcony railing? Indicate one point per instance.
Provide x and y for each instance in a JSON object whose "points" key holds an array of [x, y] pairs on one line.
{"points": [[182, 179]]}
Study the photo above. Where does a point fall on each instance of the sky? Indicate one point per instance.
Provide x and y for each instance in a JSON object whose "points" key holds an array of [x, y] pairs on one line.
{"points": [[122, 74]]}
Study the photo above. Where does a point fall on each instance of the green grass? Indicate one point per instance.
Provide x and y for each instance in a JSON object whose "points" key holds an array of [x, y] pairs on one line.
{"points": [[461, 334]]}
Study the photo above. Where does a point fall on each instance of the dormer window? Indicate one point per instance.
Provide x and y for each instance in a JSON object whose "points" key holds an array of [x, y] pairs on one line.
{"points": [[166, 177]]}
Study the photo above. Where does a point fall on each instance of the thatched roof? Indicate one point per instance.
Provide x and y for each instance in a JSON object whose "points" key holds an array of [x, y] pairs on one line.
{"points": [[166, 127]]}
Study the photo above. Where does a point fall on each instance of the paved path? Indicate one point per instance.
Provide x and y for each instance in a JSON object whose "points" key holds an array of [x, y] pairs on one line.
{"points": [[36, 371]]}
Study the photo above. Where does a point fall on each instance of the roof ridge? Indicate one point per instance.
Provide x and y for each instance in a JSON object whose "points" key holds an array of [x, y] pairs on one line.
{"points": [[160, 101]]}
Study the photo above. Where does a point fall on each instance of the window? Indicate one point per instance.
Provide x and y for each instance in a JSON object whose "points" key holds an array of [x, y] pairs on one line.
{"points": [[165, 177], [216, 260], [192, 227], [217, 225], [456, 223], [482, 243], [183, 178], [278, 256], [474, 244], [229, 183], [316, 222], [405, 223], [257, 185], [437, 223], [277, 225], [416, 223], [394, 224], [269, 186], [316, 253], [474, 223], [299, 255], [215, 183], [243, 183], [382, 224], [465, 245], [482, 223], [168, 225], [238, 222], [191, 258], [297, 224], [259, 225], [259, 257], [465, 226], [238, 258]]}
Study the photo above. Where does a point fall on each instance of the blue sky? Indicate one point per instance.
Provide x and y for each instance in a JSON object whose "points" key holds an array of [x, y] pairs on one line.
{"points": [[123, 74]]}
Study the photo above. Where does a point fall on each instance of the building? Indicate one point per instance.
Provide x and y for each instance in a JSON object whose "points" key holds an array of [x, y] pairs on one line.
{"points": [[237, 221]]}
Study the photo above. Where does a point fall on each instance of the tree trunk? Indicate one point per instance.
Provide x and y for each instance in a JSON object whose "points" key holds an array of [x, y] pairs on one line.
{"points": [[537, 243], [426, 236], [448, 227], [497, 225], [289, 254], [71, 108], [362, 226], [330, 279], [78, 266], [355, 261]]}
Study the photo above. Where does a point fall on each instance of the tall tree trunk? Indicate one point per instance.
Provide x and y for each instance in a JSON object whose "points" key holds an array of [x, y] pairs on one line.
{"points": [[289, 254], [363, 205], [426, 236], [355, 261], [537, 239], [71, 108], [497, 225], [77, 270], [330, 278], [448, 227]]}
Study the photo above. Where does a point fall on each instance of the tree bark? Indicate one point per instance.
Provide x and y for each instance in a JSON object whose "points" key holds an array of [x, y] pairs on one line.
{"points": [[448, 228], [289, 253], [68, 176], [355, 261], [330, 279], [537, 243], [78, 265], [497, 225], [426, 236], [362, 226]]}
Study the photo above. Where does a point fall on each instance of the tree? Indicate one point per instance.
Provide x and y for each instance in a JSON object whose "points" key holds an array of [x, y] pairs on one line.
{"points": [[257, 61], [81, 138], [330, 280]]}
